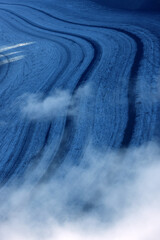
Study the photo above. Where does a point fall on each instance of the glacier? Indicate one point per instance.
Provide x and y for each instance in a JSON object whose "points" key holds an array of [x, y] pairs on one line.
{"points": [[80, 116]]}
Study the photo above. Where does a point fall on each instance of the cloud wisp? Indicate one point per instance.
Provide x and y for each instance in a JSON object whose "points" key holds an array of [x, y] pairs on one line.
{"points": [[10, 60], [113, 196], [7, 48], [5, 54], [60, 103]]}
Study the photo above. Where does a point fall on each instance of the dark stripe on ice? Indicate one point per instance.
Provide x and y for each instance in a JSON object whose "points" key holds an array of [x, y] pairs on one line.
{"points": [[133, 76]]}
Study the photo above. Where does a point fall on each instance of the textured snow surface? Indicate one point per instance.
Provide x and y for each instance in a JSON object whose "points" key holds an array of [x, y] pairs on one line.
{"points": [[78, 81]]}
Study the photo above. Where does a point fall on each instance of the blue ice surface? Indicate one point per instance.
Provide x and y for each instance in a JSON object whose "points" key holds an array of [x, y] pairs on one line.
{"points": [[73, 44]]}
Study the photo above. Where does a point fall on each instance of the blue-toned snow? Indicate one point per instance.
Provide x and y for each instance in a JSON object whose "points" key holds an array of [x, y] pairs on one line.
{"points": [[76, 75]]}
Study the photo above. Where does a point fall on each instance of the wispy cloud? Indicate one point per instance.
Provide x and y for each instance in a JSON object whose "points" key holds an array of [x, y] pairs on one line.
{"points": [[113, 196], [9, 54], [5, 54], [6, 48], [10, 60], [60, 103]]}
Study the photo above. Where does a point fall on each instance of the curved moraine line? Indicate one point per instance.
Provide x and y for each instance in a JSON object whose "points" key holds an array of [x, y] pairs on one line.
{"points": [[80, 56]]}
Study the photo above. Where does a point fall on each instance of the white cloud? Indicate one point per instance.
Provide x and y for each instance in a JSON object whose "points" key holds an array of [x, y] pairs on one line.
{"points": [[109, 196], [60, 103], [35, 107], [9, 54], [6, 48], [5, 55], [10, 60]]}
